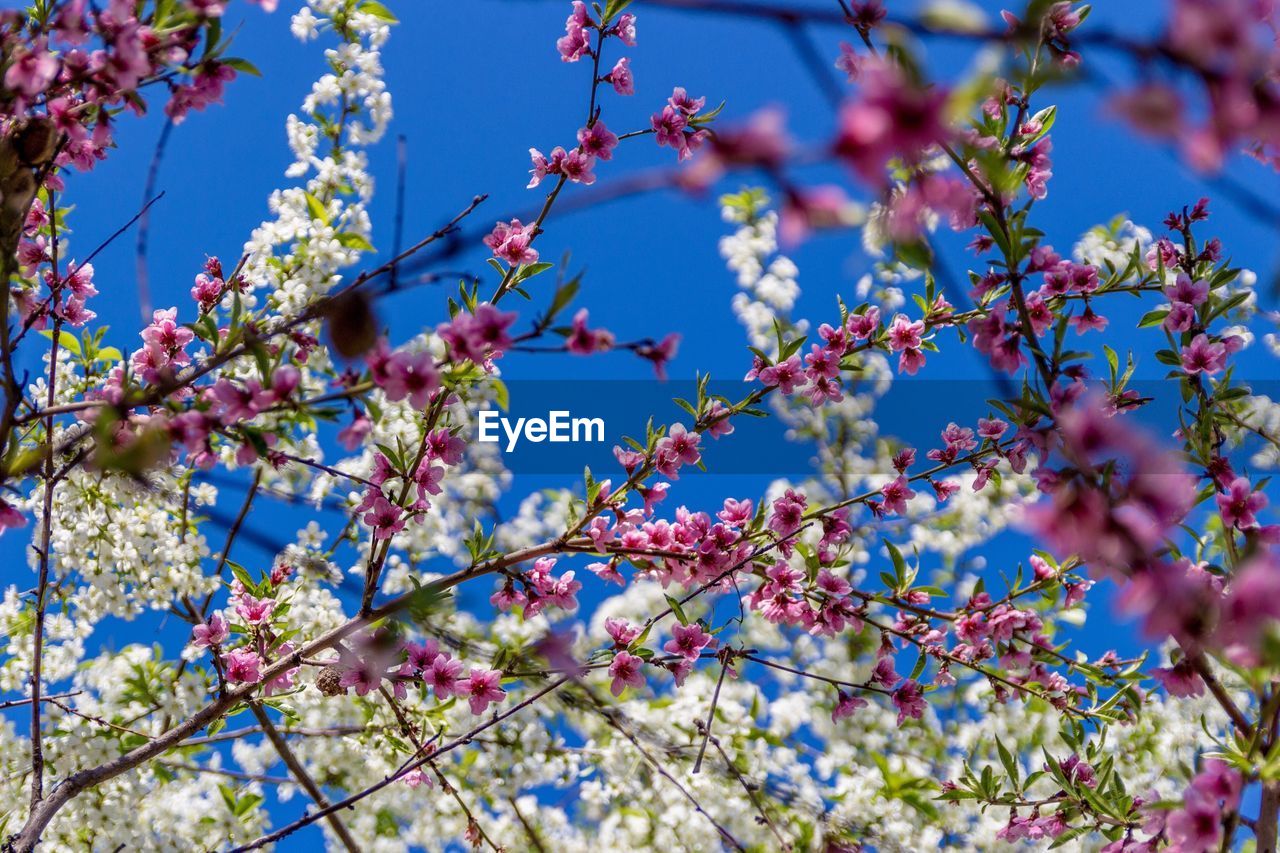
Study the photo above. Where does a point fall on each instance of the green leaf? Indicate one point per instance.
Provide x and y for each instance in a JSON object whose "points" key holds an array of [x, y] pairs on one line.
{"points": [[382, 13], [1153, 318], [66, 340], [316, 209], [615, 7], [355, 241], [528, 271], [244, 66], [501, 395], [1007, 759], [677, 610], [564, 295], [899, 564]]}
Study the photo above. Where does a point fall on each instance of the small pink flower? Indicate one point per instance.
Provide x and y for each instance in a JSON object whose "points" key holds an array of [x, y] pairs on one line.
{"points": [[846, 704], [412, 375], [661, 353], [626, 669], [688, 641], [598, 141], [482, 687], [242, 666], [414, 778], [584, 341], [576, 42], [625, 29], [735, 512], [786, 375], [1179, 680], [896, 494], [679, 447], [905, 334], [10, 517], [213, 632], [283, 681], [352, 435], [909, 700], [1184, 290], [577, 167], [991, 429], [31, 71], [788, 513], [363, 676], [848, 61], [622, 631], [1239, 504], [1204, 357], [444, 676], [510, 242], [623, 81], [384, 517], [254, 611]]}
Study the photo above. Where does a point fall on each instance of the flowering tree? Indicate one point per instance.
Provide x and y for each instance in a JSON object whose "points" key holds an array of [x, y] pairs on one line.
{"points": [[808, 667]]}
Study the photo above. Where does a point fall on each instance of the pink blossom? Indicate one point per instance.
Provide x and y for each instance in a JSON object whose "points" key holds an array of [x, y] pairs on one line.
{"points": [[584, 341], [363, 676], [577, 167], [625, 29], [622, 631], [283, 681], [626, 669], [354, 434], [10, 518], [846, 705], [661, 353], [896, 494], [1203, 357], [1239, 503], [1184, 290], [669, 125], [884, 673], [479, 336], [786, 375], [788, 513], [892, 117], [207, 291], [254, 611], [735, 512], [598, 141], [510, 242], [688, 641], [576, 42], [415, 778], [991, 429], [412, 375], [242, 666], [848, 61], [212, 632], [31, 71], [904, 334], [679, 447], [384, 517], [1249, 609], [909, 700], [481, 688], [621, 78], [444, 676], [1179, 680]]}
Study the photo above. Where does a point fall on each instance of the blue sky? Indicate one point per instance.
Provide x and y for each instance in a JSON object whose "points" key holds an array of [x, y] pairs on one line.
{"points": [[475, 85]]}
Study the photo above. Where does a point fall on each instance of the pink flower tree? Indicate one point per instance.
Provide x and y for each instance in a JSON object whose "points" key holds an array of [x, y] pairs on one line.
{"points": [[806, 666]]}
